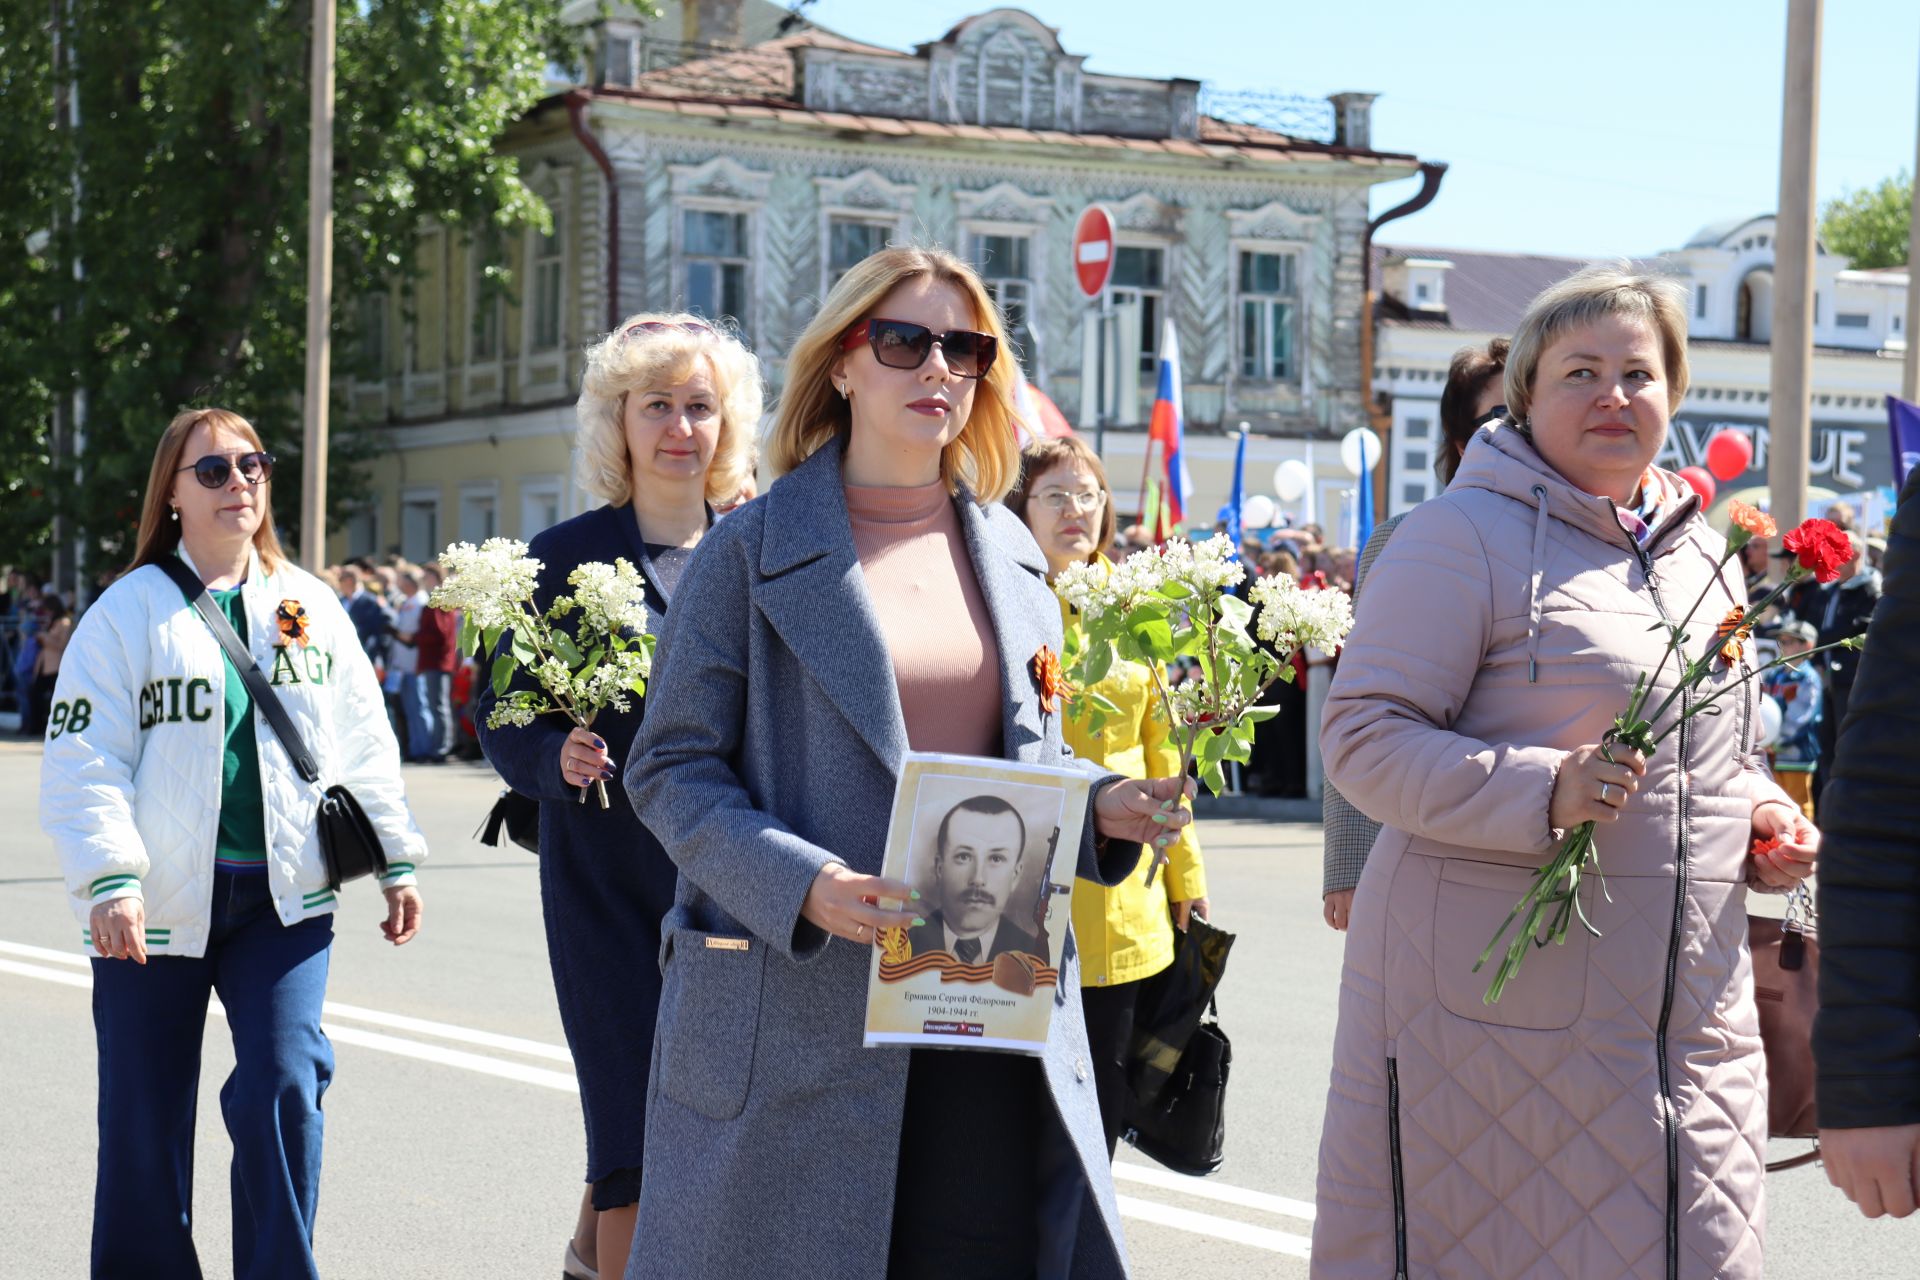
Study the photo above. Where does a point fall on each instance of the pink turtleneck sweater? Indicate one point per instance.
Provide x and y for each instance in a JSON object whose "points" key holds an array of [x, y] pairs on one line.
{"points": [[946, 662]]}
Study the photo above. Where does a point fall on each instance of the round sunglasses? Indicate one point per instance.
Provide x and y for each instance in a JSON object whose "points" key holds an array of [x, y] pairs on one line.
{"points": [[900, 344], [215, 469]]}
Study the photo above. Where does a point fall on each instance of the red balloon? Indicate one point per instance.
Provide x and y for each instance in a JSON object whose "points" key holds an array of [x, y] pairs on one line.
{"points": [[1729, 454], [1700, 482]]}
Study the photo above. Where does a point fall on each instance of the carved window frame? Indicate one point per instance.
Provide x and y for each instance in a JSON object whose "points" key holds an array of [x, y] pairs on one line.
{"points": [[1005, 210], [867, 197], [1274, 227], [1144, 221], [720, 185], [475, 369], [423, 392]]}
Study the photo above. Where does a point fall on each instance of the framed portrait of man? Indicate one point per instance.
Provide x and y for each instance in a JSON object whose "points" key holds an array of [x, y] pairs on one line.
{"points": [[991, 847]]}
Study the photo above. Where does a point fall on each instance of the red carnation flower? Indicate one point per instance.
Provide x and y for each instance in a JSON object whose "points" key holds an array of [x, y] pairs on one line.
{"points": [[1819, 547]]}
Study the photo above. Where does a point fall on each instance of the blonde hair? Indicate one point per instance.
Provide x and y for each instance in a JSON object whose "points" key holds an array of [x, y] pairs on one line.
{"points": [[626, 361], [159, 534], [984, 455], [1590, 294]]}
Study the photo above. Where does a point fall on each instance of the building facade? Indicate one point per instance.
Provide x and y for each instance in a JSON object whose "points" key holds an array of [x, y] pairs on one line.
{"points": [[739, 178], [1436, 301]]}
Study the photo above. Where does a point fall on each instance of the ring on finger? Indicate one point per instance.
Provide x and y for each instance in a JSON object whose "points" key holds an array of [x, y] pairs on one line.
{"points": [[860, 933], [1604, 788]]}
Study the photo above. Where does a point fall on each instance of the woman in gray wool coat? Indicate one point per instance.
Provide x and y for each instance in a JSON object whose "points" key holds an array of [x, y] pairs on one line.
{"points": [[876, 600]]}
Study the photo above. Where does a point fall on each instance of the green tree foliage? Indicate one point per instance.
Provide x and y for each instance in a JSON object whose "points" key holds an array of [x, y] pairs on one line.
{"points": [[1870, 226], [187, 178]]}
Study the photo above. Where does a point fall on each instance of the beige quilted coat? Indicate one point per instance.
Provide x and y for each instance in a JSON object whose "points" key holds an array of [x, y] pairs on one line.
{"points": [[1607, 1118]]}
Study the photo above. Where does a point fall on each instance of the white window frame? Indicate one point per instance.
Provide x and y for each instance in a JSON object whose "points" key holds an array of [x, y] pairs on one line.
{"points": [[749, 253], [424, 392], [545, 366], [541, 489], [1296, 376], [369, 510], [976, 232], [1005, 210], [866, 197], [479, 369], [422, 495], [1149, 340], [487, 491], [720, 185]]}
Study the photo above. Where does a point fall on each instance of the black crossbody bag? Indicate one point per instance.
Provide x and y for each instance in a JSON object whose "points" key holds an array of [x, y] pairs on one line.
{"points": [[349, 845]]}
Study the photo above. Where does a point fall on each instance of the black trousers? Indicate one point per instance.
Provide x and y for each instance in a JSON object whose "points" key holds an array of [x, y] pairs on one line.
{"points": [[1110, 1013], [966, 1199]]}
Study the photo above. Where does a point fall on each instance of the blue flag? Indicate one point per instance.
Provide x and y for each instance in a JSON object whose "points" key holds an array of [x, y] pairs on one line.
{"points": [[1363, 500], [1237, 496], [1903, 428]]}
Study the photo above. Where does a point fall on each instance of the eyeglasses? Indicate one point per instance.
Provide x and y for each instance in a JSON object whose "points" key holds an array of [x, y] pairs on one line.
{"points": [[899, 344], [215, 469], [1490, 417], [1062, 501], [666, 326]]}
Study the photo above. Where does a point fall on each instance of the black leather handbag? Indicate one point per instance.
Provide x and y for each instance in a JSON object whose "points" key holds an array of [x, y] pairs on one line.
{"points": [[1185, 1128], [349, 846], [514, 816]]}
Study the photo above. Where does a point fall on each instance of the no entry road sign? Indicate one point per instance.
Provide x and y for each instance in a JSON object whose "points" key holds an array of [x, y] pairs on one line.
{"points": [[1093, 250]]}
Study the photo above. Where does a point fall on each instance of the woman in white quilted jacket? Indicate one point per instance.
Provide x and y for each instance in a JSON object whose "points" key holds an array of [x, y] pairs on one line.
{"points": [[191, 858]]}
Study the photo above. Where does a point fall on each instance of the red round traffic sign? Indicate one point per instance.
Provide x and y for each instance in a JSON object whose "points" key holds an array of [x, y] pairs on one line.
{"points": [[1093, 250]]}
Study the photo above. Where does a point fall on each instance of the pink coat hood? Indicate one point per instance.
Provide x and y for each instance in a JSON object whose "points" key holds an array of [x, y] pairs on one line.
{"points": [[1607, 1117]]}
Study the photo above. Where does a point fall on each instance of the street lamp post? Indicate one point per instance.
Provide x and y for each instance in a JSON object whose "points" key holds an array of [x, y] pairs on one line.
{"points": [[313, 462]]}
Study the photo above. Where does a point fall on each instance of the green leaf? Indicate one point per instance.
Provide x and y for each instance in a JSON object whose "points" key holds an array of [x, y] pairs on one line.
{"points": [[468, 634], [503, 668], [522, 649], [1154, 636], [1236, 612], [1214, 778], [569, 652], [1259, 715], [1099, 662]]}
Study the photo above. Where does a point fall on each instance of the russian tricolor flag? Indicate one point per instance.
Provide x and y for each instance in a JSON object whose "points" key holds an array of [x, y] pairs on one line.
{"points": [[1167, 427]]}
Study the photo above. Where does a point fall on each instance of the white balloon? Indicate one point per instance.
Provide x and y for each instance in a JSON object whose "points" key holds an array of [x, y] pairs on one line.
{"points": [[1350, 445], [1290, 480], [1770, 714], [1258, 512]]}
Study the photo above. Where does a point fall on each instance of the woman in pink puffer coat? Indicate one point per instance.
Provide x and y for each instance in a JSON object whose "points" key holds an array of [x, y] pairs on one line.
{"points": [[1607, 1118]]}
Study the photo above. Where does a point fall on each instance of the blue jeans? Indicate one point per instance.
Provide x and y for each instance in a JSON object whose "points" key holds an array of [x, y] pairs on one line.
{"points": [[437, 692], [148, 1023], [423, 736]]}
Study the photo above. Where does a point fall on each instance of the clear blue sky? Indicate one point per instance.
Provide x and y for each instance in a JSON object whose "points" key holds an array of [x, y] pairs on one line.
{"points": [[1616, 128]]}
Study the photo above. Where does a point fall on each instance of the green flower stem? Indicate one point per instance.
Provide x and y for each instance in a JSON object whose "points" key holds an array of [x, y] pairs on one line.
{"points": [[1717, 694], [1747, 619], [540, 636]]}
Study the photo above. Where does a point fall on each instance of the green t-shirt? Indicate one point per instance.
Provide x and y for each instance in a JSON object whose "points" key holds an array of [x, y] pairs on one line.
{"points": [[241, 843]]}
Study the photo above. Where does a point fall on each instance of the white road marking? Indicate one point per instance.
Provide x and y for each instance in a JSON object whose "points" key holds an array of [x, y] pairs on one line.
{"points": [[1206, 1224], [1207, 1189], [354, 1013]]}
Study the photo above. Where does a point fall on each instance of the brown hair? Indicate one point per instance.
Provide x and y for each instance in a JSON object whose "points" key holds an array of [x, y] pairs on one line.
{"points": [[1043, 456], [160, 534], [1467, 378], [982, 456]]}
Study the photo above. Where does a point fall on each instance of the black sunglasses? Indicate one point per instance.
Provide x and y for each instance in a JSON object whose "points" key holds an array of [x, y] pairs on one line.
{"points": [[215, 469], [1491, 416], [899, 344]]}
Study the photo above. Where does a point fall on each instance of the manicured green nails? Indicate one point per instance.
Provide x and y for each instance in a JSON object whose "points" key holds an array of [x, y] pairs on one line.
{"points": [[917, 921]]}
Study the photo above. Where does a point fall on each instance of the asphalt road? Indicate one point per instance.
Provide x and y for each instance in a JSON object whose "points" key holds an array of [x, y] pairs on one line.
{"points": [[454, 1145]]}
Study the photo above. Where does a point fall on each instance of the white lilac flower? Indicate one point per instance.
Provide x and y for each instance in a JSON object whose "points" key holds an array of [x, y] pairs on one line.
{"points": [[1292, 618], [611, 597], [489, 583]]}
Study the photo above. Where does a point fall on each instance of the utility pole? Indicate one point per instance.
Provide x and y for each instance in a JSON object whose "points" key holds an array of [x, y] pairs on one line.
{"points": [[1789, 417], [1910, 372], [313, 462]]}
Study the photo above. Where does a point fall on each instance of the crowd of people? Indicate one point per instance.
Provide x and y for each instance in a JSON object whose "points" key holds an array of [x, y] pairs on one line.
{"points": [[710, 928]]}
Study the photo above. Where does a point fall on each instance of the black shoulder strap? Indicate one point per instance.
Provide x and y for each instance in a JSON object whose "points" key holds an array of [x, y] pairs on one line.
{"points": [[263, 695]]}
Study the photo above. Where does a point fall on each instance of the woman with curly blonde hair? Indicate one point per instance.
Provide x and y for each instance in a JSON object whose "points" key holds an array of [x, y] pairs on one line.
{"points": [[669, 406], [878, 599]]}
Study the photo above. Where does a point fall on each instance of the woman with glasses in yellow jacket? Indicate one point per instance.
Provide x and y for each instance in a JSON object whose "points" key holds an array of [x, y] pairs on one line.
{"points": [[1125, 932]]}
